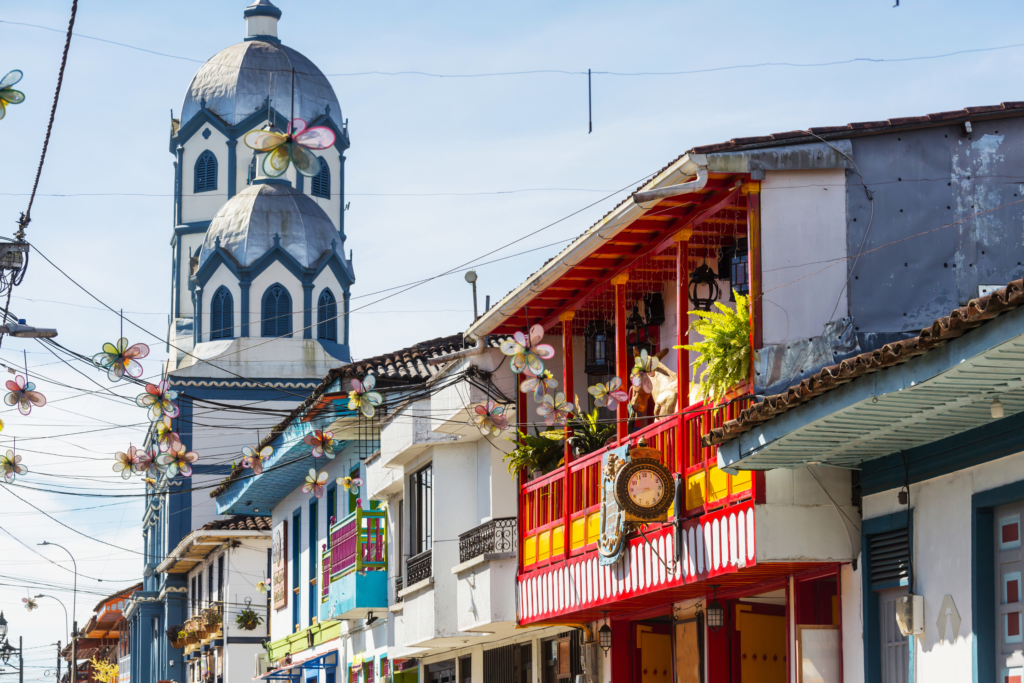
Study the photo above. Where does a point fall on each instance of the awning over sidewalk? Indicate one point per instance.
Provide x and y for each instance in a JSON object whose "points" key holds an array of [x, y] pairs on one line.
{"points": [[296, 667]]}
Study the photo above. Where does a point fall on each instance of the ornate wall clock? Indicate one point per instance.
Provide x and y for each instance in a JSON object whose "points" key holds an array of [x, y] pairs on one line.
{"points": [[644, 488]]}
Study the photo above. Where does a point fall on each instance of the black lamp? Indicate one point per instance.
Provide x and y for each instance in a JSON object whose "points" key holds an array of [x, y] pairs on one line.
{"points": [[599, 348], [704, 289], [3, 627], [637, 332], [604, 635], [716, 613]]}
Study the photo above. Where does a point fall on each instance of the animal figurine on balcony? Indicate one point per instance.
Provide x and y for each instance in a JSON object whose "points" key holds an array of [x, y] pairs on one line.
{"points": [[658, 381]]}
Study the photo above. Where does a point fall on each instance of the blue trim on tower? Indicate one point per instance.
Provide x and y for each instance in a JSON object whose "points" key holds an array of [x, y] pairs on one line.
{"points": [[244, 284], [307, 310], [192, 228], [178, 153], [232, 166], [262, 9]]}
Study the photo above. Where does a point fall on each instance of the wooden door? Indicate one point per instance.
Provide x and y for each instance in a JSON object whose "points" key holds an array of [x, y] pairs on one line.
{"points": [[654, 660], [762, 648]]}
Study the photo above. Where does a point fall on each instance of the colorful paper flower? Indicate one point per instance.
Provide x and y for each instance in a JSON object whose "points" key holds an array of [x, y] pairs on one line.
{"points": [[126, 462], [350, 484], [150, 481], [23, 394], [608, 394], [178, 462], [291, 147], [642, 369], [30, 603], [254, 460], [490, 419], [323, 443], [539, 385], [120, 359], [362, 397], [555, 409], [159, 398], [262, 587], [10, 466], [9, 95], [315, 483], [528, 354], [167, 439], [144, 463]]}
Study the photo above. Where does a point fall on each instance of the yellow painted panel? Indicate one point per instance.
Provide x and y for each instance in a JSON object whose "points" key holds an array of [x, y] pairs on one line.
{"points": [[742, 481], [529, 550], [544, 545], [593, 527], [718, 484], [763, 635], [578, 537], [558, 541], [695, 487]]}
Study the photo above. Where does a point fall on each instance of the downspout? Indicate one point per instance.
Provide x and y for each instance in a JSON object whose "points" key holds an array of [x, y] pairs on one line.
{"points": [[640, 198]]}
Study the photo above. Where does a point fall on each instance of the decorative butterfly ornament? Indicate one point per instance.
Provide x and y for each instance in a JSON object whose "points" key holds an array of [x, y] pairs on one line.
{"points": [[254, 460], [8, 95], [178, 462], [30, 603], [363, 398], [125, 463], [24, 395], [121, 359], [555, 409], [608, 395], [539, 385], [262, 587], [490, 418], [528, 355], [315, 483], [323, 443], [291, 147], [350, 484], [10, 466], [159, 398], [644, 366]]}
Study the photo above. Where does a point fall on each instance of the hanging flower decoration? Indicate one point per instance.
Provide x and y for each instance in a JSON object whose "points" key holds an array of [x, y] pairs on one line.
{"points": [[350, 484], [262, 587], [490, 419], [23, 394], [323, 443], [254, 460], [167, 439], [178, 462], [642, 369], [30, 603], [291, 147], [363, 398], [150, 481], [608, 395], [555, 409], [539, 385], [159, 398], [9, 95], [10, 465], [315, 483], [528, 355], [120, 359], [144, 463], [126, 462]]}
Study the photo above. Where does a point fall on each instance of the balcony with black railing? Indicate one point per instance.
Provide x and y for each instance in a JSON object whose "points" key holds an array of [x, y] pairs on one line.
{"points": [[419, 567], [495, 536], [399, 585]]}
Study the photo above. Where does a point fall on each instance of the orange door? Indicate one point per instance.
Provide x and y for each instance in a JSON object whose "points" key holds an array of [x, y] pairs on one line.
{"points": [[762, 648], [655, 645]]}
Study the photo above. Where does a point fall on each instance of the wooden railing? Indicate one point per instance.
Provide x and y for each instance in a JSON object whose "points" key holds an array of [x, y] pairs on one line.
{"points": [[357, 543], [551, 502]]}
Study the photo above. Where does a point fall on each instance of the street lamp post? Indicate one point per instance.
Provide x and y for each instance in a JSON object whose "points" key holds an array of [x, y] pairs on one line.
{"points": [[74, 620], [62, 606], [6, 650]]}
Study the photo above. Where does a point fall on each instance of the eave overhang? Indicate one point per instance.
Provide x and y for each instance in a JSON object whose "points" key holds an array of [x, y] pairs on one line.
{"points": [[197, 545], [939, 394]]}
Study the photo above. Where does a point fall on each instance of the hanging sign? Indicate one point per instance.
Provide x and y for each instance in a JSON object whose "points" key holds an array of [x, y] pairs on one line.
{"points": [[279, 567], [613, 520]]}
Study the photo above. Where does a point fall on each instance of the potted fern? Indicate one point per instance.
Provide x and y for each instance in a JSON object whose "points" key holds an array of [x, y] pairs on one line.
{"points": [[724, 350], [588, 433], [175, 635], [536, 453], [248, 619]]}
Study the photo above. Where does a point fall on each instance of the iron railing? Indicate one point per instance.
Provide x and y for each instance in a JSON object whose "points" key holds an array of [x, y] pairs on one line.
{"points": [[495, 536], [420, 567], [399, 585]]}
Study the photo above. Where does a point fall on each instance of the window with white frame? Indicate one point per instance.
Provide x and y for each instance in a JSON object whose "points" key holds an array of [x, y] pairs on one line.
{"points": [[1009, 610]]}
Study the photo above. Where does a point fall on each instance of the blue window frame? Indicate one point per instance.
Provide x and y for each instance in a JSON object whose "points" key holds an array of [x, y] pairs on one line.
{"points": [[332, 507], [277, 312], [251, 175], [205, 172], [314, 554], [321, 184], [887, 546], [327, 317], [222, 315], [296, 568]]}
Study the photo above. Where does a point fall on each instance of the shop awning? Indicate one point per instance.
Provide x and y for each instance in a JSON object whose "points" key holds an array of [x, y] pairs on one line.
{"points": [[323, 661]]}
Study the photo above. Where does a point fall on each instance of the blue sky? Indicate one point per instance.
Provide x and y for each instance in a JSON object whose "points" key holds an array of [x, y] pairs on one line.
{"points": [[410, 135]]}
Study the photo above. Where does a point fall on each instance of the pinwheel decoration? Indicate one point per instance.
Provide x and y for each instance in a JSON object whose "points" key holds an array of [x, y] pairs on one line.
{"points": [[539, 385], [125, 463], [167, 439], [159, 398], [120, 359], [178, 462], [24, 395], [555, 409], [8, 95], [362, 397], [315, 483], [150, 481], [642, 369], [10, 465], [262, 587], [144, 463], [30, 603], [350, 484], [490, 418], [254, 459], [291, 147], [323, 443], [608, 395], [528, 355]]}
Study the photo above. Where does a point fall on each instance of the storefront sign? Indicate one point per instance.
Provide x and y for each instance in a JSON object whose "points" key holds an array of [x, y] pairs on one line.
{"points": [[279, 564], [613, 520]]}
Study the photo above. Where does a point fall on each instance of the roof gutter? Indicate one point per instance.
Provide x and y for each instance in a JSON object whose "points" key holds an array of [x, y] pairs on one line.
{"points": [[673, 190], [617, 220]]}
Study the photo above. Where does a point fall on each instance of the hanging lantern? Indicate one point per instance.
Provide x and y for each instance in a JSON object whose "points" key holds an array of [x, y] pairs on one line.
{"points": [[715, 613], [638, 332], [704, 289], [599, 348], [604, 635]]}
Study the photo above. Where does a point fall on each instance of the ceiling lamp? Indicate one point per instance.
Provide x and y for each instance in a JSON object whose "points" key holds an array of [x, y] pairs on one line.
{"points": [[604, 635], [997, 409], [716, 613], [704, 289]]}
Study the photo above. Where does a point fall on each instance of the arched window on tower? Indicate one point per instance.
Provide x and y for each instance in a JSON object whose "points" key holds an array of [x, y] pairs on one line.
{"points": [[321, 185], [251, 175], [327, 317], [222, 315], [206, 172], [277, 312]]}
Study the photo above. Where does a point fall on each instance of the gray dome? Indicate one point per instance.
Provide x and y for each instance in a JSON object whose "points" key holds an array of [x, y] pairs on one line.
{"points": [[248, 222], [235, 83]]}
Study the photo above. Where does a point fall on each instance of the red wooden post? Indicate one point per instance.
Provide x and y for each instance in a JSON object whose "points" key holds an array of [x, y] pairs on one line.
{"points": [[621, 361], [568, 492], [753, 192], [523, 478], [682, 337]]}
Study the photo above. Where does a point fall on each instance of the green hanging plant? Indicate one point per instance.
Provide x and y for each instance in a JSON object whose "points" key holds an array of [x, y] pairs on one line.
{"points": [[540, 451], [725, 349], [589, 434]]}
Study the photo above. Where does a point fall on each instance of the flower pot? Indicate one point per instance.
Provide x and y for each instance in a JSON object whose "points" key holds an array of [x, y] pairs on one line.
{"points": [[178, 644], [536, 474]]}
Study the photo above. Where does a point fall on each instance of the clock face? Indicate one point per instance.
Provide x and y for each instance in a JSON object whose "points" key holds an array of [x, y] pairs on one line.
{"points": [[646, 488]]}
